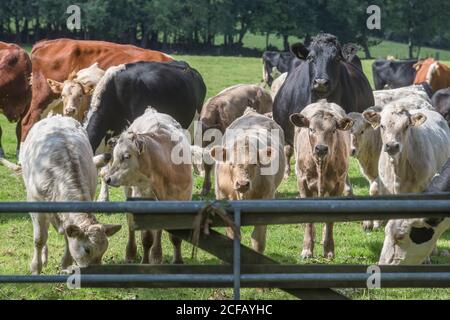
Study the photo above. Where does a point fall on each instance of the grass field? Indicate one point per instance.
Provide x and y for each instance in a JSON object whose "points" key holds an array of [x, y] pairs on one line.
{"points": [[353, 246]]}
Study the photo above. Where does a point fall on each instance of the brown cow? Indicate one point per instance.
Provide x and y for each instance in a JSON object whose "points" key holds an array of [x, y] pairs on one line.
{"points": [[220, 111], [57, 59], [15, 90], [322, 152], [436, 74]]}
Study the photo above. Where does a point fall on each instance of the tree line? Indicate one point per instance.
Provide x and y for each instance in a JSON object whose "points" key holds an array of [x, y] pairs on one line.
{"points": [[208, 25]]}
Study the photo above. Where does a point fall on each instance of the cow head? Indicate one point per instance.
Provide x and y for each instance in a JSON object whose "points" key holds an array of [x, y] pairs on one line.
{"points": [[324, 57], [322, 128], [361, 132], [395, 125], [72, 94], [411, 241], [124, 170], [245, 161], [87, 246]]}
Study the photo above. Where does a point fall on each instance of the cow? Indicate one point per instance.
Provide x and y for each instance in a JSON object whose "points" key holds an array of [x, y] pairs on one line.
{"points": [[125, 91], [279, 61], [436, 74], [15, 89], [322, 153], [441, 101], [221, 110], [411, 241], [325, 74], [144, 159], [415, 142], [57, 59], [57, 165], [250, 164], [276, 85], [393, 74], [76, 93]]}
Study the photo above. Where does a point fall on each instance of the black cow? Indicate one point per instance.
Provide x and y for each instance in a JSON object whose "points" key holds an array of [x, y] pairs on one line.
{"points": [[441, 101], [172, 87], [394, 74], [282, 61], [325, 74]]}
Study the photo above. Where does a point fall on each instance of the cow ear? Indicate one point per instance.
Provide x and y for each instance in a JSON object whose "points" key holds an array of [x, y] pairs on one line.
{"points": [[111, 229], [88, 89], [373, 118], [349, 50], [418, 119], [138, 142], [299, 120], [73, 231], [300, 51], [218, 153], [345, 124], [55, 86]]}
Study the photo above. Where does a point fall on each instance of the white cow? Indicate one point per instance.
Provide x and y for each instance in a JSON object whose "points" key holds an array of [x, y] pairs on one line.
{"points": [[57, 165]]}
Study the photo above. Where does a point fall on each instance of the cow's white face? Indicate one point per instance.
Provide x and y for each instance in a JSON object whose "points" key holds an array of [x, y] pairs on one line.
{"points": [[125, 170], [407, 241], [359, 133], [394, 127], [87, 247]]}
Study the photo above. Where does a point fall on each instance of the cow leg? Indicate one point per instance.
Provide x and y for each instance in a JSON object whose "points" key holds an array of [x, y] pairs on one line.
{"points": [[2, 153], [147, 242], [259, 238], [177, 256], [308, 241], [131, 248], [328, 241], [67, 259], [104, 192], [348, 189], [207, 181], [40, 235], [156, 249], [371, 225], [18, 136], [288, 152]]}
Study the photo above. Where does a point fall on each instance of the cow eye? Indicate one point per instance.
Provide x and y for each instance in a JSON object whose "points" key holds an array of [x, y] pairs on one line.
{"points": [[362, 132], [87, 250]]}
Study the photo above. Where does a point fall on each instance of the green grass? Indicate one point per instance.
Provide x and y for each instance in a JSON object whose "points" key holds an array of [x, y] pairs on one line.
{"points": [[353, 246]]}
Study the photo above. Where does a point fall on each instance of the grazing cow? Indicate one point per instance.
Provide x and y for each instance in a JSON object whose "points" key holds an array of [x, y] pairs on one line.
{"points": [[393, 74], [280, 61], [57, 59], [416, 143], [221, 110], [325, 74], [441, 101], [322, 152], [15, 89], [277, 83], [436, 74], [145, 158], [250, 164], [125, 91], [57, 165], [76, 93], [411, 241]]}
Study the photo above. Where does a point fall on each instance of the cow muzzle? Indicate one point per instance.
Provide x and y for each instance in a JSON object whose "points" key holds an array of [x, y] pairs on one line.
{"points": [[110, 181], [242, 186], [320, 150], [70, 112], [321, 86], [392, 148], [354, 152]]}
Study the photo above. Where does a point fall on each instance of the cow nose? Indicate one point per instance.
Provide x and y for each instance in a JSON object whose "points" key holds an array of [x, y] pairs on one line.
{"points": [[353, 152], [321, 150], [321, 84], [242, 185], [70, 111], [392, 148], [108, 180]]}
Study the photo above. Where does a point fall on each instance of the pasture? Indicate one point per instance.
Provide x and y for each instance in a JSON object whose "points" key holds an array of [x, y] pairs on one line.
{"points": [[353, 246]]}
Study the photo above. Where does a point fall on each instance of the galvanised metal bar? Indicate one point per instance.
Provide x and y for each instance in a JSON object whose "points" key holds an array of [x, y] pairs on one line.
{"points": [[237, 256], [299, 280]]}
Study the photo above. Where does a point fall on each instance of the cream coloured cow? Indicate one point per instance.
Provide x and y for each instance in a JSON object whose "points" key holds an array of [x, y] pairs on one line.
{"points": [[153, 157], [322, 152], [250, 163], [57, 165]]}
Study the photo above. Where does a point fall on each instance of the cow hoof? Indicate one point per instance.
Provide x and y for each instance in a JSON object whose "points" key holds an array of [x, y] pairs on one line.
{"points": [[306, 254], [329, 255]]}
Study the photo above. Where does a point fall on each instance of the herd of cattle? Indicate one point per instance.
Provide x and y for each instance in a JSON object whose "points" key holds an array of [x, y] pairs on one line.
{"points": [[89, 108]]}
